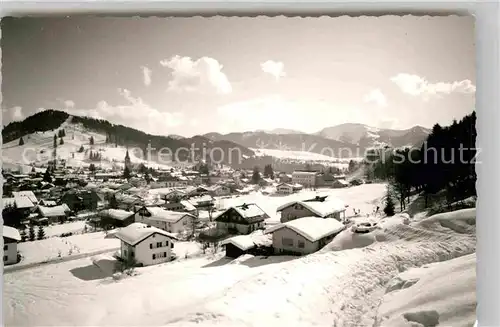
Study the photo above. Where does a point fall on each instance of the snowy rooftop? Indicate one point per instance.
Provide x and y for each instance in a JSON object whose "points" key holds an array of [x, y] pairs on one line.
{"points": [[117, 214], [188, 205], [20, 202], [321, 209], [56, 211], [246, 242], [11, 232], [203, 198], [161, 214], [249, 210], [312, 228], [137, 232], [29, 194], [307, 173]]}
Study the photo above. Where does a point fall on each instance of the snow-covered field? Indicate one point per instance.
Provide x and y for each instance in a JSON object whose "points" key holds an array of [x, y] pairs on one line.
{"points": [[345, 284], [75, 227], [305, 156], [54, 248]]}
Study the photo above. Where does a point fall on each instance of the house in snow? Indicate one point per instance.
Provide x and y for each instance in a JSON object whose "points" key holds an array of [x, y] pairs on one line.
{"points": [[145, 245], [340, 183], [284, 188], [197, 191], [203, 202], [304, 235], [285, 178], [128, 202], [173, 195], [78, 200], [242, 219], [48, 203], [220, 190], [10, 238], [169, 221], [29, 194], [21, 204], [329, 208], [255, 243], [305, 178], [111, 218], [181, 206], [53, 214]]}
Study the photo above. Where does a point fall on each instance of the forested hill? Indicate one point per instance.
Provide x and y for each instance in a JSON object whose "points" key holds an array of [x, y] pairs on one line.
{"points": [[118, 135], [40, 122]]}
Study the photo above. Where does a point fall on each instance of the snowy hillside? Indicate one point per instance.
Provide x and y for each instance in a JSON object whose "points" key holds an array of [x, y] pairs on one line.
{"points": [[38, 149], [369, 136]]}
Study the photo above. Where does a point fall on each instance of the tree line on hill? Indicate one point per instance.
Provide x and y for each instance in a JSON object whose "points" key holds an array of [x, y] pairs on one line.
{"points": [[446, 161], [44, 121]]}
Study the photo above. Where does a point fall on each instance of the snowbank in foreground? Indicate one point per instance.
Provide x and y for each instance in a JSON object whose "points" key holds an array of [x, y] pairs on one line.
{"points": [[340, 288], [440, 293]]}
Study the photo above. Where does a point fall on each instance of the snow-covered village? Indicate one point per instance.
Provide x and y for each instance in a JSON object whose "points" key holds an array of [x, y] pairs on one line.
{"points": [[260, 212]]}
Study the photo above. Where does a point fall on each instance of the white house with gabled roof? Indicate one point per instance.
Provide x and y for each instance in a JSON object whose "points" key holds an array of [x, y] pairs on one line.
{"points": [[10, 238], [167, 220], [304, 235], [328, 208], [145, 245]]}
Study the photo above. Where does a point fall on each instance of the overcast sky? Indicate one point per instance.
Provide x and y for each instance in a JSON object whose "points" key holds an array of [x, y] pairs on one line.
{"points": [[190, 76]]}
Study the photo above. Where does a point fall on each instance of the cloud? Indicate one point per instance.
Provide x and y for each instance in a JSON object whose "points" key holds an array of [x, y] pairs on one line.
{"points": [[14, 113], [376, 96], [69, 104], [146, 72], [203, 75], [261, 113], [275, 68], [416, 86], [387, 123], [135, 113]]}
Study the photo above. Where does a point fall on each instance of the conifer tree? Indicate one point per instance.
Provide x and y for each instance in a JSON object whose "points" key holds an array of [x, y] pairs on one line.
{"points": [[32, 235], [41, 233]]}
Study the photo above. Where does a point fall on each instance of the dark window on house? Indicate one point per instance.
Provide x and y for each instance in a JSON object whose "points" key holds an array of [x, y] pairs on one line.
{"points": [[166, 243], [151, 245], [154, 256], [171, 245], [158, 244], [301, 244], [287, 241], [5, 258], [5, 247], [164, 254]]}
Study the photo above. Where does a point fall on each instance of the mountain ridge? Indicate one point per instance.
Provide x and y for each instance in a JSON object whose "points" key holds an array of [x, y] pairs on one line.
{"points": [[336, 142]]}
